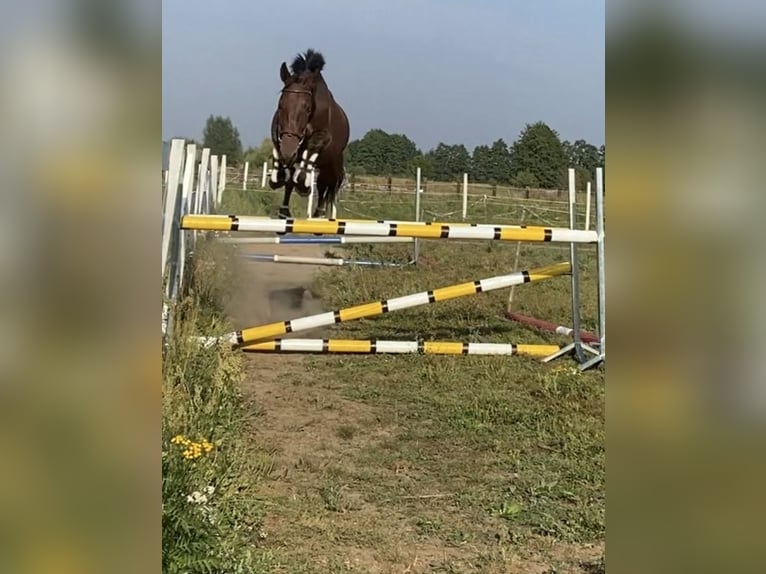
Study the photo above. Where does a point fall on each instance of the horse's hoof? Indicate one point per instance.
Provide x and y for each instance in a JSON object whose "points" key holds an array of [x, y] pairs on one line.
{"points": [[284, 213]]}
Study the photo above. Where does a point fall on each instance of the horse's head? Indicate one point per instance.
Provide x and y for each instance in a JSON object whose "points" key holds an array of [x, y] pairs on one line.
{"points": [[296, 103]]}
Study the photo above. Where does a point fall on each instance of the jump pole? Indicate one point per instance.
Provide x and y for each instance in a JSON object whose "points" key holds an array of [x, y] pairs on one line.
{"points": [[378, 347], [600, 259], [264, 174], [587, 207], [253, 218], [303, 240], [429, 230], [587, 337], [576, 347], [274, 330], [338, 262]]}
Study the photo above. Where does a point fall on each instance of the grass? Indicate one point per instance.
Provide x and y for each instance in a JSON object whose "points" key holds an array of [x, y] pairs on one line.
{"points": [[209, 518], [431, 463]]}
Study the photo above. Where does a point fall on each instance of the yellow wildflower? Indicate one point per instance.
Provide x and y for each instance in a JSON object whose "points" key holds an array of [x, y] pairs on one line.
{"points": [[192, 450]]}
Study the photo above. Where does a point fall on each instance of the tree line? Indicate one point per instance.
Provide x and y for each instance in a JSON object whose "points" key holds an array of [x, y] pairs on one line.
{"points": [[538, 158]]}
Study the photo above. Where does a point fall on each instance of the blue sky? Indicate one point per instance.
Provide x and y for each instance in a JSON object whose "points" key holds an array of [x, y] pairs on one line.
{"points": [[436, 70]]}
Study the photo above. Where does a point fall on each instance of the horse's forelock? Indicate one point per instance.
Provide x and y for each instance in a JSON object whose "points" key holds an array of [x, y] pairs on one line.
{"points": [[299, 65], [311, 61]]}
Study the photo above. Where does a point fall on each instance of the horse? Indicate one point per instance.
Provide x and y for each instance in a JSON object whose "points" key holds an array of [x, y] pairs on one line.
{"points": [[309, 131]]}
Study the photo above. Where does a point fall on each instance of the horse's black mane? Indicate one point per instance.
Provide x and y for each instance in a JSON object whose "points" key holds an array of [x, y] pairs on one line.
{"points": [[311, 61]]}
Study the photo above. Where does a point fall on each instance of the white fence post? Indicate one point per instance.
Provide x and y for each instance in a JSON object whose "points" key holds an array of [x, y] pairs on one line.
{"points": [[244, 179], [201, 178], [465, 196], [175, 165], [221, 180], [212, 200]]}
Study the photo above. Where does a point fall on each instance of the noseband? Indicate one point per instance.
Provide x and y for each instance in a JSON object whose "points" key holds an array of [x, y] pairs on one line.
{"points": [[299, 136]]}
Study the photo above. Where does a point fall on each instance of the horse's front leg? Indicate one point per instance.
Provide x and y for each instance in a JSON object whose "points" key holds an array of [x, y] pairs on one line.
{"points": [[284, 209], [279, 173], [320, 211], [314, 146]]}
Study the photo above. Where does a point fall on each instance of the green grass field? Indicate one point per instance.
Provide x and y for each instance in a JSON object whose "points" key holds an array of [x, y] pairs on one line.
{"points": [[428, 463]]}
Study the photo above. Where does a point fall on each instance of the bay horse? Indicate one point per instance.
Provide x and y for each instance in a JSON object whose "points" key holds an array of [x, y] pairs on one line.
{"points": [[309, 131]]}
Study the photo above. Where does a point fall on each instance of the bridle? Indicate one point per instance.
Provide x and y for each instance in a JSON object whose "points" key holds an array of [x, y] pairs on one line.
{"points": [[311, 113]]}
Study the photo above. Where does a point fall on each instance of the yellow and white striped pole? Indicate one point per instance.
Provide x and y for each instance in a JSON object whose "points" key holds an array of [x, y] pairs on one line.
{"points": [[273, 330], [378, 347], [422, 230]]}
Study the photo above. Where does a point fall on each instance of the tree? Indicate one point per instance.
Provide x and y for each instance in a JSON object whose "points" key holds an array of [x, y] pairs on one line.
{"points": [[425, 163], [222, 137], [585, 155], [499, 168], [449, 161], [584, 158], [481, 161], [257, 155], [539, 152], [380, 153], [525, 179]]}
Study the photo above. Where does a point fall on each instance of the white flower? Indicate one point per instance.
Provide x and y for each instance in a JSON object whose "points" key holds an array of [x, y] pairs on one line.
{"points": [[196, 497], [210, 489]]}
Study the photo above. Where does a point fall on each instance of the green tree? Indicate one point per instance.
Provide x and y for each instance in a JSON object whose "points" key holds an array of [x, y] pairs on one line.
{"points": [[481, 164], [584, 158], [257, 155], [539, 152], [525, 179], [585, 155], [425, 163], [222, 137], [499, 167], [449, 161], [380, 153]]}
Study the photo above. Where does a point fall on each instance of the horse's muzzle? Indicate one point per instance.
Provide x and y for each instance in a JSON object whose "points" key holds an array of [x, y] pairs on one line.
{"points": [[289, 146]]}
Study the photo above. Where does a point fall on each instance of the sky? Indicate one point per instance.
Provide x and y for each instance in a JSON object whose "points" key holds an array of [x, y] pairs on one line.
{"points": [[452, 71]]}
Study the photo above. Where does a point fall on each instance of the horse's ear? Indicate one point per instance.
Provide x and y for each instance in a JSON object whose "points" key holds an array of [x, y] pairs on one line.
{"points": [[284, 73]]}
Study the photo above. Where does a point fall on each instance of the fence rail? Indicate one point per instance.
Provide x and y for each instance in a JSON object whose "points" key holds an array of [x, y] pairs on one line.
{"points": [[401, 185]]}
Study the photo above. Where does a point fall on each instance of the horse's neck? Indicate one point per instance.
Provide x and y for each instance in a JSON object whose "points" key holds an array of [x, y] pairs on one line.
{"points": [[323, 99]]}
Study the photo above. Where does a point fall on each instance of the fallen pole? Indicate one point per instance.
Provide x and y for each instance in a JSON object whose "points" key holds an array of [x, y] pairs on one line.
{"points": [[586, 336], [302, 240], [377, 347], [273, 330], [276, 258]]}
